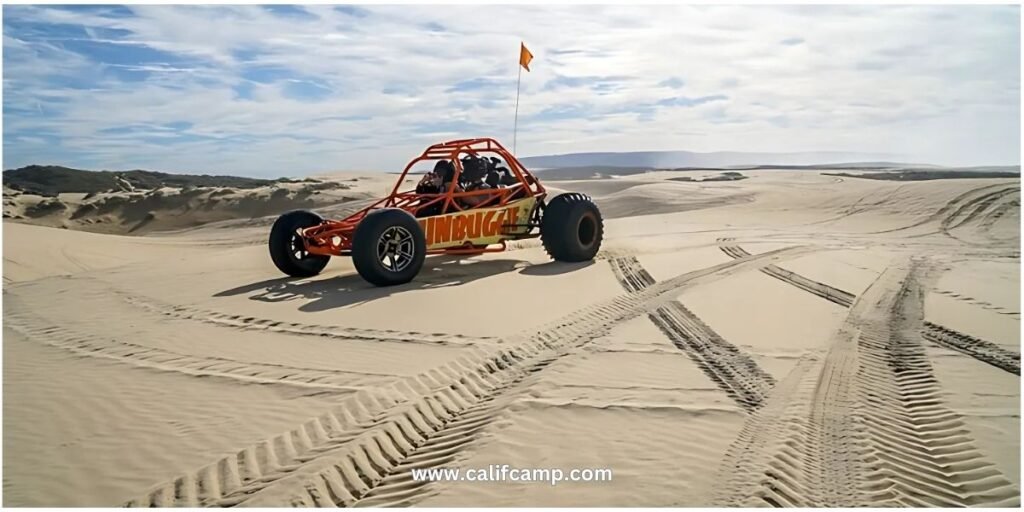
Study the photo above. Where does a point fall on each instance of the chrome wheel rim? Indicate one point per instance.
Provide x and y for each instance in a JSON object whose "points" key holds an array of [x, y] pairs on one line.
{"points": [[395, 248], [296, 247]]}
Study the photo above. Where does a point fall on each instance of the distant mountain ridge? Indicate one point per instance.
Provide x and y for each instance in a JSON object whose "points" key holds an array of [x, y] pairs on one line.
{"points": [[677, 159], [604, 171]]}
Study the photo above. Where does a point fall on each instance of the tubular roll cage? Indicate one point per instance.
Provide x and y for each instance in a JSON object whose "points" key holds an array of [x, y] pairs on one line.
{"points": [[334, 237]]}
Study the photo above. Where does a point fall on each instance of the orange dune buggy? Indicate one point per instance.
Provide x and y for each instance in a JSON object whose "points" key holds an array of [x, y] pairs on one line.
{"points": [[469, 204]]}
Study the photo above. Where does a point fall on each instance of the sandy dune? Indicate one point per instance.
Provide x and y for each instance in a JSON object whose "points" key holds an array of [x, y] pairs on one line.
{"points": [[788, 339], [139, 212]]}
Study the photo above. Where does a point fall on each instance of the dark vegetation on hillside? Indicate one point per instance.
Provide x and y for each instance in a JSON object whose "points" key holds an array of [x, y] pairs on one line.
{"points": [[921, 175], [725, 176], [50, 180]]}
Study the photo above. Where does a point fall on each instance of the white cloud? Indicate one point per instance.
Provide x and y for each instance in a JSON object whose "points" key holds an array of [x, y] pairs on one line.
{"points": [[936, 84]]}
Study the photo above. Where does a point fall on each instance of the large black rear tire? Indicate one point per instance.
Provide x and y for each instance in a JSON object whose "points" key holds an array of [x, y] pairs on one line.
{"points": [[388, 247], [287, 249], [572, 228]]}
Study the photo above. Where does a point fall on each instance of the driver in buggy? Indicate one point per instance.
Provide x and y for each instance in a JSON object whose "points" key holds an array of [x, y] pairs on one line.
{"points": [[435, 182], [474, 171]]}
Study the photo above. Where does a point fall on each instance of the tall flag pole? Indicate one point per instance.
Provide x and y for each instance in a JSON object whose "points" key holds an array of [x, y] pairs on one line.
{"points": [[524, 62]]}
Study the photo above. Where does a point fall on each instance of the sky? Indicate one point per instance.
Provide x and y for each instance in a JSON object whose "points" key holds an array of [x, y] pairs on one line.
{"points": [[291, 90]]}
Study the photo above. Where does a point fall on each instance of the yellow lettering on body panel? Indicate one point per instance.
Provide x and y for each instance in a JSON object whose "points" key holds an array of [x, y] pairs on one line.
{"points": [[478, 227], [459, 227], [474, 231], [442, 229], [490, 226]]}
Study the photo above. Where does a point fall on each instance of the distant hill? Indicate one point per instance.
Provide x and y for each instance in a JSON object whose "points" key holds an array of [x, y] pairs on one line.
{"points": [[604, 171], [50, 180], [676, 159], [589, 171]]}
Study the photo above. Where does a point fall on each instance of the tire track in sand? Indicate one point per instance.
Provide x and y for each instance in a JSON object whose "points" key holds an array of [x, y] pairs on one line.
{"points": [[976, 302], [630, 274], [299, 329], [732, 369], [729, 367], [984, 351], [875, 432], [976, 206], [941, 213], [364, 447], [142, 356], [997, 213], [829, 293], [925, 450]]}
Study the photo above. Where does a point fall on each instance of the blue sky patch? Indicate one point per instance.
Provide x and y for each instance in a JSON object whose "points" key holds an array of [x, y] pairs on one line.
{"points": [[583, 81], [42, 31], [129, 74], [562, 112], [122, 130], [291, 11], [179, 125], [673, 82], [243, 90], [434, 26], [305, 90], [683, 101], [118, 53], [476, 84], [352, 10], [266, 74], [105, 11]]}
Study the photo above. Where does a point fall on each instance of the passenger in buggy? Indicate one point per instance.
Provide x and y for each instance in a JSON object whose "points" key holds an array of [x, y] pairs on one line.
{"points": [[474, 170], [478, 173]]}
